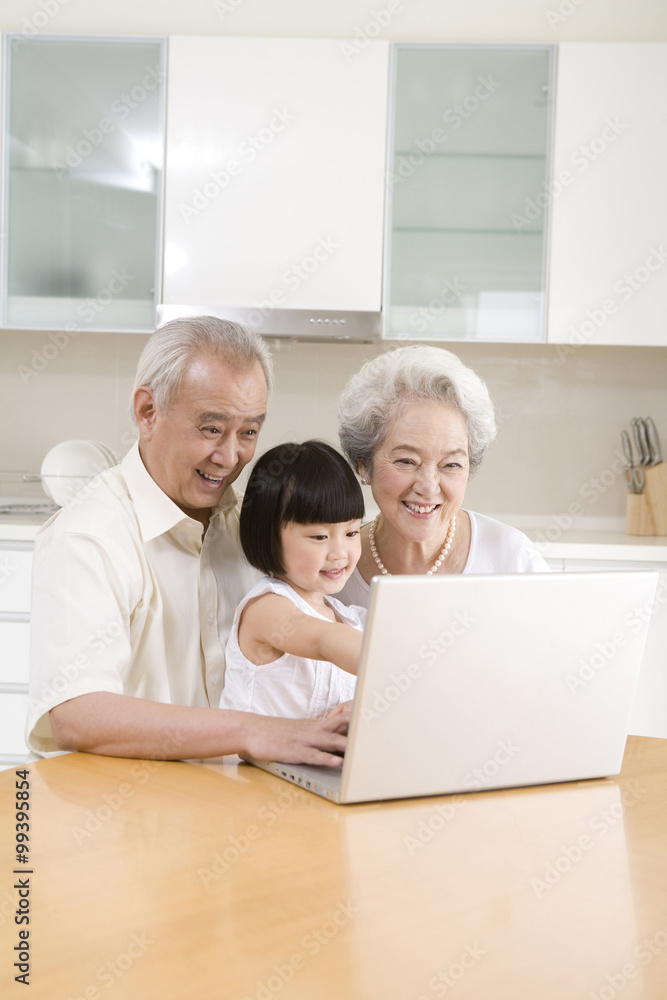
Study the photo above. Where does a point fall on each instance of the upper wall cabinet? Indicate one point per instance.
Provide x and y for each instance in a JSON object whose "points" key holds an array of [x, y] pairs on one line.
{"points": [[83, 163], [275, 175], [609, 200], [469, 151]]}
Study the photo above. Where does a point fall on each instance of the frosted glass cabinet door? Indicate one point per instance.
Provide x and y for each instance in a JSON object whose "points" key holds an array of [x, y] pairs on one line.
{"points": [[83, 163], [465, 254], [276, 154]]}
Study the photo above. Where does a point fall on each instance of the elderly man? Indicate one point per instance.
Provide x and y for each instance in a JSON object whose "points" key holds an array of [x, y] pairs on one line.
{"points": [[136, 581]]}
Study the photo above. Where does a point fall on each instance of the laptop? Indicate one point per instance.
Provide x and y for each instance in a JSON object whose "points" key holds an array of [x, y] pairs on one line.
{"points": [[476, 682]]}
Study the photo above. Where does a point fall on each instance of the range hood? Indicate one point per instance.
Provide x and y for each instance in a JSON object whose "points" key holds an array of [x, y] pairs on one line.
{"points": [[290, 324]]}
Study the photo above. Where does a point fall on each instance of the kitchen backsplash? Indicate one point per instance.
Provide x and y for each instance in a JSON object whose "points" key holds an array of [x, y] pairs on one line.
{"points": [[559, 415]]}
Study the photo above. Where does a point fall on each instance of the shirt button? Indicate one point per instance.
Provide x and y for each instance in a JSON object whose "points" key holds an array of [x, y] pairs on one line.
{"points": [[209, 619], [215, 678]]}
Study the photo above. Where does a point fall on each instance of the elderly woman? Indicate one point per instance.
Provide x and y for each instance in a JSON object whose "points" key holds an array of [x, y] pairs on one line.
{"points": [[415, 423]]}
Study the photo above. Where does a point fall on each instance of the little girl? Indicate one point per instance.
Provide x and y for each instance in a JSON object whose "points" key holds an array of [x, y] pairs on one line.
{"points": [[293, 648]]}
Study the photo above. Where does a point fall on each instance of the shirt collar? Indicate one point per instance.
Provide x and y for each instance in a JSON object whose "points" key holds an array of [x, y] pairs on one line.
{"points": [[156, 512]]}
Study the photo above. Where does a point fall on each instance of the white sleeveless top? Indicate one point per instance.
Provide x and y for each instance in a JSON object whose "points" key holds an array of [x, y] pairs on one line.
{"points": [[291, 687]]}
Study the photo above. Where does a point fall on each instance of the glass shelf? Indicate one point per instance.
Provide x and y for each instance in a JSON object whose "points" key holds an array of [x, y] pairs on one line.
{"points": [[84, 154], [471, 130]]}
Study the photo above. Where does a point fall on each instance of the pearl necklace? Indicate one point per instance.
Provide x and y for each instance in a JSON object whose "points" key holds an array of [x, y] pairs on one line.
{"points": [[442, 555]]}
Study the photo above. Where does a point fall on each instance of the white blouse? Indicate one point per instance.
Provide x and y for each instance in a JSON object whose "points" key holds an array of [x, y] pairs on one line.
{"points": [[494, 548], [292, 687]]}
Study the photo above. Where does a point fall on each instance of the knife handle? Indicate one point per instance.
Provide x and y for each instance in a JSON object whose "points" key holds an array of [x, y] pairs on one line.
{"points": [[638, 441], [653, 441]]}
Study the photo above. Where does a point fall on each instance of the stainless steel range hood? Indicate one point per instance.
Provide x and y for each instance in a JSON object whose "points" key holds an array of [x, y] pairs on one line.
{"points": [[290, 324]]}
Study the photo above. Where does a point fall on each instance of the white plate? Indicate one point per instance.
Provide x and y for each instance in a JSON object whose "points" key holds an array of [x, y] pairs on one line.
{"points": [[68, 467], [110, 457]]}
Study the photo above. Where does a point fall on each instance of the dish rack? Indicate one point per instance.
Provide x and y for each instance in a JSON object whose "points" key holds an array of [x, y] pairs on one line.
{"points": [[21, 493]]}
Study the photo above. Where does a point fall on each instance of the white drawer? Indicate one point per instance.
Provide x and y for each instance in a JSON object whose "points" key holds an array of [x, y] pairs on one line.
{"points": [[13, 713], [14, 638], [15, 571]]}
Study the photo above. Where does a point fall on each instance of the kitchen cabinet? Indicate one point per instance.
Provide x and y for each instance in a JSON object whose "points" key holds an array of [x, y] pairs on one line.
{"points": [[293, 198], [274, 176], [15, 573], [83, 163], [469, 148], [608, 201]]}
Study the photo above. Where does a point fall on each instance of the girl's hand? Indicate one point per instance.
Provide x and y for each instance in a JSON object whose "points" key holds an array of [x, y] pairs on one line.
{"points": [[345, 709]]}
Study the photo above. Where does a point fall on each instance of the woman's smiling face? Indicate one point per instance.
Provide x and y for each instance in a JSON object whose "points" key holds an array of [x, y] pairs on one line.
{"points": [[421, 470]]}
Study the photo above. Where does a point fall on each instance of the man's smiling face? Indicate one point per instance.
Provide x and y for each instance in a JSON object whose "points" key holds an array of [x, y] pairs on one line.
{"points": [[198, 446]]}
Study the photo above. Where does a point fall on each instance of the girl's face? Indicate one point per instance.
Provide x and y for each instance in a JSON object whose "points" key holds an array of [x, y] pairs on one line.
{"points": [[318, 558]]}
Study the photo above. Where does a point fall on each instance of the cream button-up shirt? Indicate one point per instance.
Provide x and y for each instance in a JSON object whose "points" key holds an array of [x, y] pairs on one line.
{"points": [[130, 596]]}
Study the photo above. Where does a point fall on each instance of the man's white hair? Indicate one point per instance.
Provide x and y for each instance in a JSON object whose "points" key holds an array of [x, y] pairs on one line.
{"points": [[172, 348]]}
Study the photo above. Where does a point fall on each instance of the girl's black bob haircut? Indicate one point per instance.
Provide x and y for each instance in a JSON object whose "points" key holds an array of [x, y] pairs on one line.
{"points": [[309, 483]]}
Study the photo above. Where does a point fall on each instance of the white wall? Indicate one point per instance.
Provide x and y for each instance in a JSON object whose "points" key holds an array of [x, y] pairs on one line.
{"points": [[415, 20], [559, 418]]}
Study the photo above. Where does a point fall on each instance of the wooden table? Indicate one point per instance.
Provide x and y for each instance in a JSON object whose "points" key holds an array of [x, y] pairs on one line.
{"points": [[161, 880]]}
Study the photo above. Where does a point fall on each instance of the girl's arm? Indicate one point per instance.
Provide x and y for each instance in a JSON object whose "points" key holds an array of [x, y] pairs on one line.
{"points": [[271, 625]]}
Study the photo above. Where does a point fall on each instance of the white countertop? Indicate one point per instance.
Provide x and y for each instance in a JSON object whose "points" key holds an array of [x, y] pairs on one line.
{"points": [[604, 545], [564, 537]]}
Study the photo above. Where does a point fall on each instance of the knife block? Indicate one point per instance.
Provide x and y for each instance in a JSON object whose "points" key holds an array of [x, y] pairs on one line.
{"points": [[647, 511]]}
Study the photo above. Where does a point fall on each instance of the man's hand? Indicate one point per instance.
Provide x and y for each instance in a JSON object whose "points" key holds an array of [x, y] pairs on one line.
{"points": [[121, 726], [298, 741]]}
